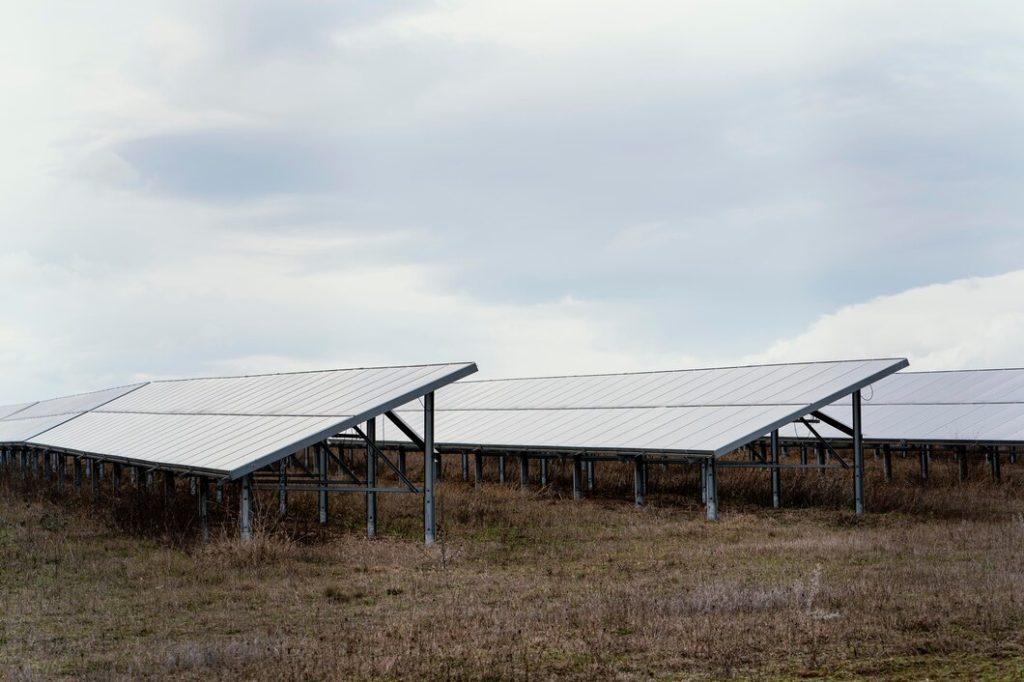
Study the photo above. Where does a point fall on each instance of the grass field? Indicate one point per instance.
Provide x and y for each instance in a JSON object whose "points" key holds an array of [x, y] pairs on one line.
{"points": [[529, 585]]}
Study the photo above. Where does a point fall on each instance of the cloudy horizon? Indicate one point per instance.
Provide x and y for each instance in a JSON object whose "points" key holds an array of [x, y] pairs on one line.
{"points": [[194, 188]]}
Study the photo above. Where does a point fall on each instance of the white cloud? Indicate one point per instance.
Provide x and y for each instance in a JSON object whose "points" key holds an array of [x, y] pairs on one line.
{"points": [[964, 324]]}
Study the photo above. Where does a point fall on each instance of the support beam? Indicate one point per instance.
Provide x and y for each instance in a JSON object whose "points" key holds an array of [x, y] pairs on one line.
{"points": [[639, 480], [429, 510], [371, 478], [204, 507], [887, 462], [544, 472], [704, 480], [710, 484], [321, 470], [858, 456], [282, 491], [245, 503], [994, 461], [591, 474], [924, 452], [776, 473], [478, 468], [501, 468], [803, 454], [94, 481], [524, 471], [401, 460], [465, 467], [577, 478]]}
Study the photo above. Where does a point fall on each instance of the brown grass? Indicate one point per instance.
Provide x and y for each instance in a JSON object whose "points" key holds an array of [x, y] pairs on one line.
{"points": [[528, 585]]}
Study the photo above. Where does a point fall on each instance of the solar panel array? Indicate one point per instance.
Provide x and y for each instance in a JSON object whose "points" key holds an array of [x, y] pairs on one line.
{"points": [[706, 412], [955, 406], [226, 426]]}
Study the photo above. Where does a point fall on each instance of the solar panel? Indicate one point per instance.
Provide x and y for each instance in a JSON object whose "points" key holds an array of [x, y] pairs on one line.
{"points": [[953, 406], [33, 419], [231, 426], [707, 412]]}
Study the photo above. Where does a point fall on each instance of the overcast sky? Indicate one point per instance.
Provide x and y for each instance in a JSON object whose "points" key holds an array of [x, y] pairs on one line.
{"points": [[222, 187]]}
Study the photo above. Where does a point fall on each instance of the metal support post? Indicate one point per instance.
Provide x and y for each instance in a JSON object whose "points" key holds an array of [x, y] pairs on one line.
{"points": [[478, 468], [371, 478], [995, 462], [639, 480], [544, 472], [821, 456], [710, 484], [94, 481], [776, 473], [577, 478], [803, 454], [168, 485], [961, 457], [703, 481], [501, 469], [524, 471], [245, 503], [115, 478], [204, 508], [48, 465], [591, 471], [78, 474], [429, 510], [321, 468], [61, 469], [401, 459], [887, 462], [465, 467], [282, 490], [925, 457], [858, 456]]}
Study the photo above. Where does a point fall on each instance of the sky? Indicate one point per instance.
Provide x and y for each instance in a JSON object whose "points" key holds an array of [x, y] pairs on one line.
{"points": [[195, 188]]}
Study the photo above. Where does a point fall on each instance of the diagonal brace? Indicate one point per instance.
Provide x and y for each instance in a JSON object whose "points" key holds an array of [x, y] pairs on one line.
{"points": [[824, 442]]}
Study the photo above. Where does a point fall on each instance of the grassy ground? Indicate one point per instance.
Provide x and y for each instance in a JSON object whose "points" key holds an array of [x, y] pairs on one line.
{"points": [[530, 585]]}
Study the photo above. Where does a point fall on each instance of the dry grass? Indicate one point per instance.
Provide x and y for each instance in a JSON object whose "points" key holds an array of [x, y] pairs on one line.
{"points": [[529, 585]]}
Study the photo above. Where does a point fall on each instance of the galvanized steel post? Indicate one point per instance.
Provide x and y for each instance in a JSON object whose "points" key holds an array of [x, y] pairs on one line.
{"points": [[115, 478], [776, 478], [204, 508], [543, 471], [478, 468], [591, 466], [887, 462], [94, 481], [961, 456], [710, 480], [996, 464], [78, 474], [524, 471], [703, 481], [465, 467], [371, 478], [925, 457], [321, 466], [858, 456], [501, 468], [639, 480], [282, 489], [577, 478], [401, 459], [245, 503], [429, 511]]}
